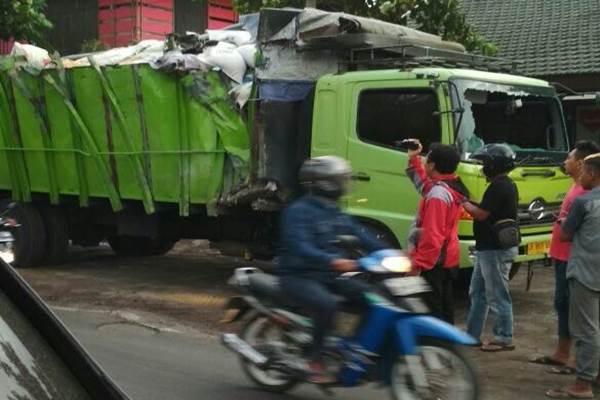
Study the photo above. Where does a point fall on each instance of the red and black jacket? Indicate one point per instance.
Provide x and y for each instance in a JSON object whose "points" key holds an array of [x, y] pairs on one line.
{"points": [[437, 219]]}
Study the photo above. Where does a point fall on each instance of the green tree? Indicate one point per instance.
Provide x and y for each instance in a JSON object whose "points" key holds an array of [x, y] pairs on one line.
{"points": [[23, 20], [441, 17]]}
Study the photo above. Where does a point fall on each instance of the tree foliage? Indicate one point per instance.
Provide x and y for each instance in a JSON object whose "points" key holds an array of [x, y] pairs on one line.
{"points": [[23, 20], [441, 17]]}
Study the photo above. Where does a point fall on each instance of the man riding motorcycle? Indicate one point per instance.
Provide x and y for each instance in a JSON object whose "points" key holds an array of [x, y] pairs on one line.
{"points": [[310, 265]]}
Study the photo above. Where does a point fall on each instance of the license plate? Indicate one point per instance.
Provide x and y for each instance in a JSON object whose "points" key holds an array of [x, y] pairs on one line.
{"points": [[407, 286], [536, 248]]}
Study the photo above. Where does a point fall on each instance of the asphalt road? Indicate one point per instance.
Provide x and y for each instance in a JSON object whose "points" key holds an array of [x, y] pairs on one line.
{"points": [[187, 290], [149, 364]]}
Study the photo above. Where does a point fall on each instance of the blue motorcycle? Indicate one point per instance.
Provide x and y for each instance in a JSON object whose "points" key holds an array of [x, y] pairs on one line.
{"points": [[395, 343]]}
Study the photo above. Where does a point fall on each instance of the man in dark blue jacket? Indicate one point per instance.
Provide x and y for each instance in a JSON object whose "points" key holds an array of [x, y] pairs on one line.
{"points": [[310, 264]]}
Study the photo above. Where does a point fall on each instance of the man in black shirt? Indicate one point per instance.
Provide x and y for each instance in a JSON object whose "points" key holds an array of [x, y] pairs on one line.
{"points": [[494, 253]]}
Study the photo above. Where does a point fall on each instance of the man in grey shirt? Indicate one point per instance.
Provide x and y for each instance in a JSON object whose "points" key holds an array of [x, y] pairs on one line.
{"points": [[582, 226]]}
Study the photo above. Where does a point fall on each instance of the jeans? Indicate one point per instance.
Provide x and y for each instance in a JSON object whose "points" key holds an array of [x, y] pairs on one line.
{"points": [[584, 321], [561, 298], [318, 298], [490, 291], [441, 298]]}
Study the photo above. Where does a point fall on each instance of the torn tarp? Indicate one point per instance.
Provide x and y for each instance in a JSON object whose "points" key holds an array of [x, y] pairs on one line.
{"points": [[315, 23], [311, 24], [177, 62], [209, 90], [248, 23], [300, 45], [285, 90], [144, 52]]}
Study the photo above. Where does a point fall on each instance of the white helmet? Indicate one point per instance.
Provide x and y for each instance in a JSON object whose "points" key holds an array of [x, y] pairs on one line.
{"points": [[326, 176]]}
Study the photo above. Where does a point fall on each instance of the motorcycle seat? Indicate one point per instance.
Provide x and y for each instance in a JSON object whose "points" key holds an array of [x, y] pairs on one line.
{"points": [[267, 287]]}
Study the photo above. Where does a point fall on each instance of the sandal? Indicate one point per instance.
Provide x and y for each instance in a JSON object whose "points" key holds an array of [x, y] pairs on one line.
{"points": [[566, 393], [494, 347], [561, 370], [547, 360]]}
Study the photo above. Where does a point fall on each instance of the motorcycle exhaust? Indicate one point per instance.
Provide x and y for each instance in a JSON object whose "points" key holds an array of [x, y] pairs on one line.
{"points": [[234, 343]]}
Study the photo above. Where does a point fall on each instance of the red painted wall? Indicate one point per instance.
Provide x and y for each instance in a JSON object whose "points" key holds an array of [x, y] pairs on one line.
{"points": [[6, 46], [121, 22], [220, 14]]}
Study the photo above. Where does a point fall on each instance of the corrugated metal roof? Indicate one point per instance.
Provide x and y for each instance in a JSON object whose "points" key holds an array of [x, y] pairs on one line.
{"points": [[550, 37]]}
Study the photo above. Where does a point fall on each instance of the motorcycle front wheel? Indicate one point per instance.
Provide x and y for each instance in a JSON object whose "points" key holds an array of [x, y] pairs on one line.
{"points": [[268, 338], [449, 375]]}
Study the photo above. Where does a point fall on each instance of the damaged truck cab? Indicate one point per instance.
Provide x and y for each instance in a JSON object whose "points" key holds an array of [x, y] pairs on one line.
{"points": [[362, 115]]}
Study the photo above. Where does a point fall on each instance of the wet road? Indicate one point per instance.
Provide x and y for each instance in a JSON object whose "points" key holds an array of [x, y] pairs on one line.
{"points": [[149, 364]]}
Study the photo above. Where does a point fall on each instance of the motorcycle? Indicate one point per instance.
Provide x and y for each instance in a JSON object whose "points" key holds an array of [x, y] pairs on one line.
{"points": [[416, 355]]}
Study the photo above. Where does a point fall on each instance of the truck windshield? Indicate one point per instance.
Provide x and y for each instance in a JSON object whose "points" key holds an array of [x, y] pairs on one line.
{"points": [[526, 118]]}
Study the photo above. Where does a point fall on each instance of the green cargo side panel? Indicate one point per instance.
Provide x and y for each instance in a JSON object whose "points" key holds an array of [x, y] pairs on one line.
{"points": [[120, 133]]}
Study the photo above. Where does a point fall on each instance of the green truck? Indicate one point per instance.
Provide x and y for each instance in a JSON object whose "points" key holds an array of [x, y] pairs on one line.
{"points": [[142, 158]]}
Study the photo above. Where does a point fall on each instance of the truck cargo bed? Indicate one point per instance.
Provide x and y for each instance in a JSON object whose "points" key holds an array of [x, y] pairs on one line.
{"points": [[124, 132]]}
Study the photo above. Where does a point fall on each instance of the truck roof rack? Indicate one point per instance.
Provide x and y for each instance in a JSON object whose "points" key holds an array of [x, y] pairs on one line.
{"points": [[377, 51], [415, 55]]}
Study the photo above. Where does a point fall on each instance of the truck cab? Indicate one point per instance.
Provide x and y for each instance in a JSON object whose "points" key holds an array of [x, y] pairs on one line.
{"points": [[362, 115]]}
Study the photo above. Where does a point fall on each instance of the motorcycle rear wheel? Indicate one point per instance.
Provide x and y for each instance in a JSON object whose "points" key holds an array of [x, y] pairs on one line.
{"points": [[260, 332], [450, 375]]}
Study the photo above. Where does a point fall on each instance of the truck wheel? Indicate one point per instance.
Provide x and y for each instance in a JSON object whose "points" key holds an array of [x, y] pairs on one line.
{"points": [[57, 235], [30, 235], [383, 235], [135, 246]]}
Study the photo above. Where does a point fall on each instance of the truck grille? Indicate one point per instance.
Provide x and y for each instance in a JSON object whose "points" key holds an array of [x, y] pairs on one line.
{"points": [[538, 213]]}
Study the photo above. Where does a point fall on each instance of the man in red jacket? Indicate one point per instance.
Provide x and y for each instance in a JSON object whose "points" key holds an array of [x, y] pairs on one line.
{"points": [[433, 241]]}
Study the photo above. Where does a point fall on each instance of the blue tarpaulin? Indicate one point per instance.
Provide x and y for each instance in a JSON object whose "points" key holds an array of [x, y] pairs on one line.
{"points": [[284, 90]]}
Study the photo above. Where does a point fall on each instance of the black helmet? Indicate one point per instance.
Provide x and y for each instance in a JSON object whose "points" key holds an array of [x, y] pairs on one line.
{"points": [[497, 159], [326, 176]]}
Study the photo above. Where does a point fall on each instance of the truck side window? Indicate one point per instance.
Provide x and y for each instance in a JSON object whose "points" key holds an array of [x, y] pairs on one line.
{"points": [[386, 116]]}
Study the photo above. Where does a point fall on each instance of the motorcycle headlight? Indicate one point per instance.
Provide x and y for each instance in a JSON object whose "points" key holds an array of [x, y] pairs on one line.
{"points": [[397, 264]]}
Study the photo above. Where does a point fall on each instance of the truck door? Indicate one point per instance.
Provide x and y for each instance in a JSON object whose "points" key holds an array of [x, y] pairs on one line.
{"points": [[387, 112]]}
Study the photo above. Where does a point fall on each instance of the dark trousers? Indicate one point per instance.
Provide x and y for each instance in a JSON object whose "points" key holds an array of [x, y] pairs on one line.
{"points": [[441, 299], [561, 298], [318, 298]]}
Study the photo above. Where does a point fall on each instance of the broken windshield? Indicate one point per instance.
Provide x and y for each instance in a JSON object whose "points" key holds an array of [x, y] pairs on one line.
{"points": [[526, 118]]}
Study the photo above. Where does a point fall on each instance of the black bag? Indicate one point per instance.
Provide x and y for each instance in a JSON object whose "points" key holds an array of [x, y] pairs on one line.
{"points": [[507, 233]]}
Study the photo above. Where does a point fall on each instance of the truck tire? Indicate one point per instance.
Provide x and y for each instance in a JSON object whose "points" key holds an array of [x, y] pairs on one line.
{"points": [[382, 234], [136, 246], [57, 235], [30, 235]]}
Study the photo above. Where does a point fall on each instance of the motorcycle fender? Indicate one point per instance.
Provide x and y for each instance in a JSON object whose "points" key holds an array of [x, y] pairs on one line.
{"points": [[410, 329], [235, 309]]}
